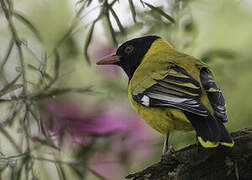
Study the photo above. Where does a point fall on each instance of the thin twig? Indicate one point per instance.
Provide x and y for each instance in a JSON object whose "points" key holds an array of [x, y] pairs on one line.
{"points": [[12, 141], [52, 160], [17, 156], [6, 57], [96, 174], [17, 41]]}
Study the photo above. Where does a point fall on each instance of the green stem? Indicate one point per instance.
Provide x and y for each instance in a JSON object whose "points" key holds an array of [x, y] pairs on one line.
{"points": [[51, 160], [12, 141], [17, 41]]}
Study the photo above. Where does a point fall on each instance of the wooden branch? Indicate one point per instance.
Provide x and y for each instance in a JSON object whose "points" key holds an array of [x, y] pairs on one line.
{"points": [[197, 163]]}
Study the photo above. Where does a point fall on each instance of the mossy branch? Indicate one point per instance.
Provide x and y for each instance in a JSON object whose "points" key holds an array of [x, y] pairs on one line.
{"points": [[194, 163]]}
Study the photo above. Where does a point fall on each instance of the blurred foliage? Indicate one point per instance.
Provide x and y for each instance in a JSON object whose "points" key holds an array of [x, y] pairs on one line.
{"points": [[48, 92]]}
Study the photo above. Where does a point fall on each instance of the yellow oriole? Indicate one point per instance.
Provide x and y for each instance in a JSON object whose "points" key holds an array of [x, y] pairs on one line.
{"points": [[173, 91]]}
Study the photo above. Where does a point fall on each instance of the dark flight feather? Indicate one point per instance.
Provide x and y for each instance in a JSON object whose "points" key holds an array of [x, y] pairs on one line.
{"points": [[182, 92], [214, 95]]}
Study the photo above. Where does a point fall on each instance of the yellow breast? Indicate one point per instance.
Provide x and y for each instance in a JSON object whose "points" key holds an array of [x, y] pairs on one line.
{"points": [[161, 119]]}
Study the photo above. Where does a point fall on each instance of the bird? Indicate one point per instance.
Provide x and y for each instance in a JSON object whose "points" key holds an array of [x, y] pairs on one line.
{"points": [[173, 91]]}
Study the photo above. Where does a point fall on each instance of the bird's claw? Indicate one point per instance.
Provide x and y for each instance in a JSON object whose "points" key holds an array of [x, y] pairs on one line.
{"points": [[168, 151]]}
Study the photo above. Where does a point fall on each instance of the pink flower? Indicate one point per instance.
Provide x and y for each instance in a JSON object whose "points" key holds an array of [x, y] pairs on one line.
{"points": [[130, 140], [133, 144], [68, 118]]}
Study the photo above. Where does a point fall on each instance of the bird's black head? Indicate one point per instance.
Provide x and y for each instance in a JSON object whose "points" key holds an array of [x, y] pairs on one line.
{"points": [[130, 54]]}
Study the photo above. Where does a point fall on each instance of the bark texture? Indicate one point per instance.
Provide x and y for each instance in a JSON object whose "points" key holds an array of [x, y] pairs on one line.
{"points": [[197, 163]]}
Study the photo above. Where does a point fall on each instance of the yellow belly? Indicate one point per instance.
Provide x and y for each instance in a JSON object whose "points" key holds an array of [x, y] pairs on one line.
{"points": [[163, 120]]}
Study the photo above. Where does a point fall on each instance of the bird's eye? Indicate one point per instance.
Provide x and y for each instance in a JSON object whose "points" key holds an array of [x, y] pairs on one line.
{"points": [[128, 49]]}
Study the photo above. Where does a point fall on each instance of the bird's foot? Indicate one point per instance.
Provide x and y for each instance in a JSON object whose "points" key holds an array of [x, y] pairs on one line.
{"points": [[198, 145], [168, 151]]}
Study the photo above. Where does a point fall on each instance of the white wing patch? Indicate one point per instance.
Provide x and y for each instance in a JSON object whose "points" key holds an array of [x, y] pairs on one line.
{"points": [[145, 100], [167, 98]]}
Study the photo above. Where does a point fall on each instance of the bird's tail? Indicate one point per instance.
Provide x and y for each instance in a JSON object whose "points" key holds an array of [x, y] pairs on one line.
{"points": [[211, 132]]}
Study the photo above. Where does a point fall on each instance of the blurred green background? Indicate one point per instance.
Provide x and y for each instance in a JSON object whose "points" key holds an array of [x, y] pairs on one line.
{"points": [[219, 32]]}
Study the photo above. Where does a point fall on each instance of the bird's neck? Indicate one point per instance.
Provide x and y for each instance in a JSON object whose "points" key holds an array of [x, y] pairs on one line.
{"points": [[157, 47]]}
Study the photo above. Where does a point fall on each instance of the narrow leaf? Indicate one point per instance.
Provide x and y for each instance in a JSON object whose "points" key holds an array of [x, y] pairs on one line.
{"points": [[28, 24], [97, 174], [33, 67], [57, 92], [57, 64], [89, 2], [113, 2], [60, 171], [113, 35], [38, 121], [9, 121], [78, 171], [80, 10], [48, 142], [56, 71], [47, 76], [87, 42], [142, 3], [117, 20], [44, 74], [6, 57], [161, 12], [10, 139], [20, 169], [133, 10], [11, 86]]}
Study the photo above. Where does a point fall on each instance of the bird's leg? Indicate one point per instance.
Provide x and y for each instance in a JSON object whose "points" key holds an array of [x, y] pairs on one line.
{"points": [[198, 145], [166, 148], [197, 141]]}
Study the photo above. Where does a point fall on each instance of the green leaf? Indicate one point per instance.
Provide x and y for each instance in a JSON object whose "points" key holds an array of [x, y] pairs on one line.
{"points": [[20, 169], [10, 119], [87, 42], [161, 12], [80, 10], [11, 86], [56, 65], [97, 174], [77, 170], [56, 71], [60, 171], [47, 76], [48, 142], [10, 139], [89, 2], [133, 10], [106, 12], [33, 67], [38, 121], [117, 20], [113, 2], [57, 92], [28, 24], [6, 57]]}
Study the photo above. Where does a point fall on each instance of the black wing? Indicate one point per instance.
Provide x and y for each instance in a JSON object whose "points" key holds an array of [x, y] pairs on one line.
{"points": [[214, 95], [177, 90]]}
